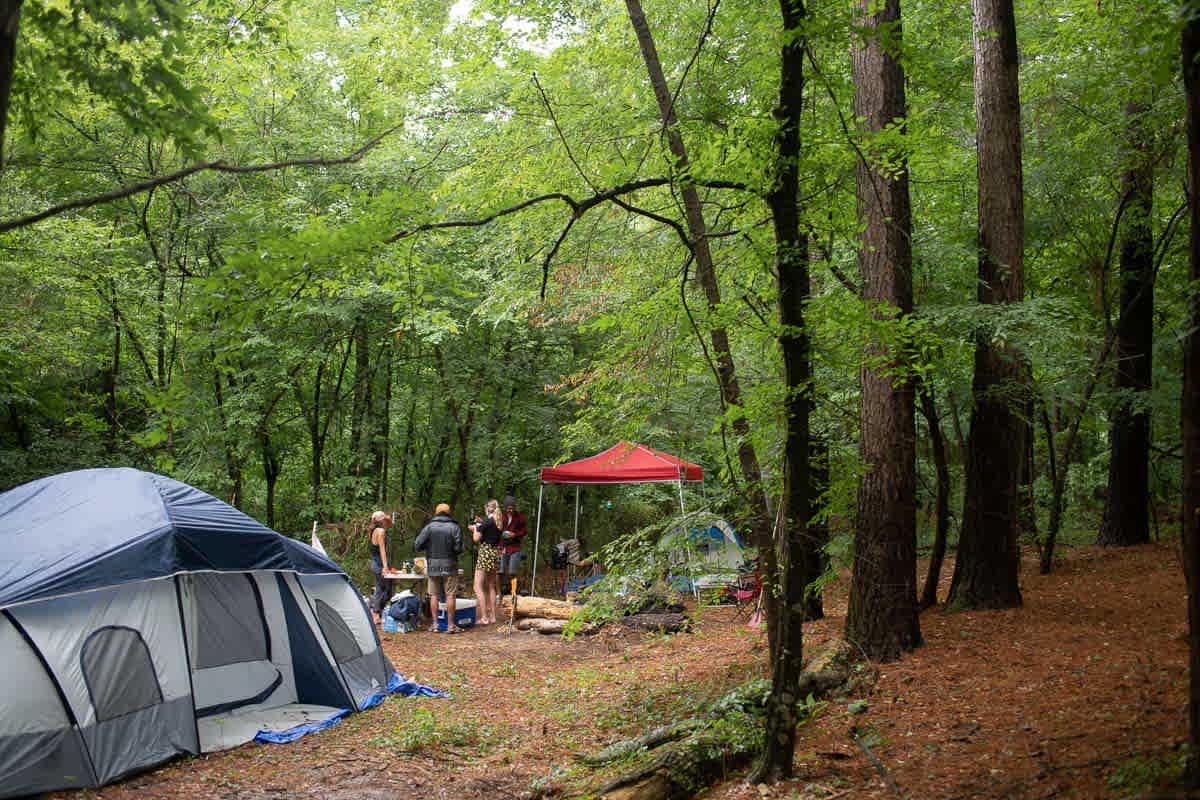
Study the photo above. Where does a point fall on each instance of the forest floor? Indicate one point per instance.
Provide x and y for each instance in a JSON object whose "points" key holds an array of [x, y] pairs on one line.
{"points": [[1079, 693]]}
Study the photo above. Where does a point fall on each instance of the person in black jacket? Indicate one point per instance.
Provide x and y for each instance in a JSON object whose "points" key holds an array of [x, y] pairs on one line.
{"points": [[441, 539]]}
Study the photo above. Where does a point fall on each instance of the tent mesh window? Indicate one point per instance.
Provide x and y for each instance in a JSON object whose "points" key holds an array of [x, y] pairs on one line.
{"points": [[337, 632], [230, 625], [118, 672]]}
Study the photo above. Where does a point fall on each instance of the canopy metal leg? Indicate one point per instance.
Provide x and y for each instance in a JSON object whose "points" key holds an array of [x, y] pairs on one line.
{"points": [[537, 537], [687, 543]]}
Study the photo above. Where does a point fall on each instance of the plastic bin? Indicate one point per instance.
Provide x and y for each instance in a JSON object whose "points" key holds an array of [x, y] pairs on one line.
{"points": [[464, 614], [393, 625]]}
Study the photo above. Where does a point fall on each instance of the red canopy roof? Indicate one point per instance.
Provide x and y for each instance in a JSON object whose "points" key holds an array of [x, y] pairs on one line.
{"points": [[624, 463]]}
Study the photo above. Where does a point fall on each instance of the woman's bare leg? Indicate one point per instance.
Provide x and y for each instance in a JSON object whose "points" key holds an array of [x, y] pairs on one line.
{"points": [[480, 594], [494, 580]]}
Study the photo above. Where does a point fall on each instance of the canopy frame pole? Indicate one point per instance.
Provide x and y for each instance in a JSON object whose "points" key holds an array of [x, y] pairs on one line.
{"points": [[687, 543], [537, 537], [572, 570], [577, 512]]}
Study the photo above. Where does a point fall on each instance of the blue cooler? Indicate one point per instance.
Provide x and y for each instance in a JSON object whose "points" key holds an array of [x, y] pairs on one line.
{"points": [[464, 614]]}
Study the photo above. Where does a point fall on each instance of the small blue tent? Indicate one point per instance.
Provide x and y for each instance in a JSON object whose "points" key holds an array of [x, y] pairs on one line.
{"points": [[714, 557], [141, 618]]}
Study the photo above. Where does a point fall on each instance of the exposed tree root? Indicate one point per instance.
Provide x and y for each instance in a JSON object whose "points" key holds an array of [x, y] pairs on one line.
{"points": [[681, 759]]}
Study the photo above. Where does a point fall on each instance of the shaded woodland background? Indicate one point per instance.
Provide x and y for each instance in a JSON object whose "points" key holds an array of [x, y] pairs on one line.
{"points": [[255, 335], [318, 258]]}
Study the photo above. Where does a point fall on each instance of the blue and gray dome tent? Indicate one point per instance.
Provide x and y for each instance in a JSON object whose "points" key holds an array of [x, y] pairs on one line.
{"points": [[714, 557], [141, 618]]}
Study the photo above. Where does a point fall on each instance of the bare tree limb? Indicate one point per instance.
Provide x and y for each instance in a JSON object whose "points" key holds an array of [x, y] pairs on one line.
{"points": [[173, 177], [632, 209], [844, 280], [578, 207], [550, 256], [1168, 234], [563, 138]]}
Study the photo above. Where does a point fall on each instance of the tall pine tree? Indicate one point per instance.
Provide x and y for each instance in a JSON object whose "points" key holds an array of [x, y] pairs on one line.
{"points": [[882, 616], [986, 570]]}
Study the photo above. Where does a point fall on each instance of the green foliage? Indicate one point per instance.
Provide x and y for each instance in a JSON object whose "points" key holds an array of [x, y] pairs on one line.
{"points": [[212, 328], [1143, 774], [424, 730], [638, 566]]}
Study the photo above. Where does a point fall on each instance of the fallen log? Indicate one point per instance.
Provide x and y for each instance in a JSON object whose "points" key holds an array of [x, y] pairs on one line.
{"points": [[661, 623], [648, 741], [538, 607], [540, 625], [684, 758]]}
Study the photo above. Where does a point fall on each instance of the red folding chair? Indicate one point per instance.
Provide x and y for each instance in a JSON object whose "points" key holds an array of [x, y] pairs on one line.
{"points": [[746, 593]]}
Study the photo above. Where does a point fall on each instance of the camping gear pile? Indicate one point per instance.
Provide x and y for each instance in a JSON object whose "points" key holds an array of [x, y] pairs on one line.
{"points": [[141, 619], [402, 613]]}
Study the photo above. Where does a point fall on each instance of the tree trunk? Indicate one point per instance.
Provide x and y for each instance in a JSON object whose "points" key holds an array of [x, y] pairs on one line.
{"points": [[792, 274], [434, 471], [1059, 473], [1126, 521], [960, 441], [271, 468], [818, 530], [109, 380], [233, 463], [882, 615], [1027, 510], [731, 393], [316, 441], [19, 427], [1057, 488], [381, 430], [937, 444], [986, 573], [160, 325], [10, 24], [406, 453], [1190, 400], [318, 432], [359, 413]]}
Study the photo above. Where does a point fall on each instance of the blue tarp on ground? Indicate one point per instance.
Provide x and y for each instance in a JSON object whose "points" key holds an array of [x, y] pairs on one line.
{"points": [[396, 685], [296, 731], [95, 528]]}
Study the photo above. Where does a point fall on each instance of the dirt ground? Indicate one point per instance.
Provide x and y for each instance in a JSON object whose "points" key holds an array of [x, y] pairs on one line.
{"points": [[1080, 693]]}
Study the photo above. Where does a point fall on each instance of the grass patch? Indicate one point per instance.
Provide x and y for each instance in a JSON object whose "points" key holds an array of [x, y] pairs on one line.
{"points": [[1145, 773], [419, 728]]}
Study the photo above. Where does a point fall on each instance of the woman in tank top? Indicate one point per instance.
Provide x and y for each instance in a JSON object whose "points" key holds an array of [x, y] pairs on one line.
{"points": [[380, 522]]}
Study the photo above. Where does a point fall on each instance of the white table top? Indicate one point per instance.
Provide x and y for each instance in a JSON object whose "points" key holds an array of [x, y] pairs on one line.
{"points": [[408, 576]]}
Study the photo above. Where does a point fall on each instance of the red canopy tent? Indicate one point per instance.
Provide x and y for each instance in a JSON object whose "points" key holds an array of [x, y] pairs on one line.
{"points": [[622, 463]]}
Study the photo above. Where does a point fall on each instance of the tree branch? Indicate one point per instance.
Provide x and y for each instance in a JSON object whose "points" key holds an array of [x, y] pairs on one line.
{"points": [[563, 138], [844, 280], [550, 256], [178, 175], [578, 207], [632, 209]]}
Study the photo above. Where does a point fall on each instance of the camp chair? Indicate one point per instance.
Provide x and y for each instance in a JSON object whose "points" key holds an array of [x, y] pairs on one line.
{"points": [[577, 564], [746, 593]]}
